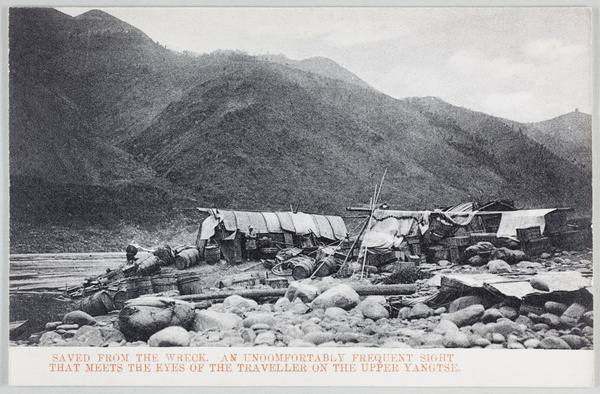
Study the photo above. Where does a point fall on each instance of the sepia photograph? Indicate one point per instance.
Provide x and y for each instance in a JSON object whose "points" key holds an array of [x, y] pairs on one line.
{"points": [[299, 191]]}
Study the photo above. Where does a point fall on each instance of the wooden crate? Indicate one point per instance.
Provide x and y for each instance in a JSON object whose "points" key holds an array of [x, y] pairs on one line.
{"points": [[456, 252], [536, 247], [570, 240], [416, 249], [529, 233], [457, 241]]}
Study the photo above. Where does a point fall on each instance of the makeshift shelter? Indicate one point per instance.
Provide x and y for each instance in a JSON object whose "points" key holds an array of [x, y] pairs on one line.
{"points": [[458, 226], [229, 229]]}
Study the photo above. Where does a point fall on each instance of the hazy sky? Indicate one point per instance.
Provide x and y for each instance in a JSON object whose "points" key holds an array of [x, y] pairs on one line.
{"points": [[524, 64]]}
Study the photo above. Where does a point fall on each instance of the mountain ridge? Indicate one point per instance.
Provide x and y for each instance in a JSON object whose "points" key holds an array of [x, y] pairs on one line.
{"points": [[119, 118]]}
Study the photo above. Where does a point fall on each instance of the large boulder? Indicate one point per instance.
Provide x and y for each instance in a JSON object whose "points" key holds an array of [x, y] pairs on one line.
{"points": [[552, 342], [556, 308], [341, 296], [89, 335], [236, 301], [498, 266], [79, 317], [259, 318], [372, 308], [505, 327], [467, 316], [456, 339], [463, 302], [50, 338], [170, 337], [207, 319], [139, 322], [420, 311], [111, 335], [571, 316]]}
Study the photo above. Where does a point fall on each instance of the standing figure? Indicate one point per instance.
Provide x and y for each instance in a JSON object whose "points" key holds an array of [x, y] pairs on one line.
{"points": [[251, 244]]}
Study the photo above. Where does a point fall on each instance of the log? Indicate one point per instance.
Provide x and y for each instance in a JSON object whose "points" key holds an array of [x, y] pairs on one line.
{"points": [[362, 290]]}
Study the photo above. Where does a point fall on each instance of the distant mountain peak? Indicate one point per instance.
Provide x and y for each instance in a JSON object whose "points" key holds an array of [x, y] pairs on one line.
{"points": [[97, 15]]}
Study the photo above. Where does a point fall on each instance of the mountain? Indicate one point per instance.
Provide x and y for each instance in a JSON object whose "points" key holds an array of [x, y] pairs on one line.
{"points": [[318, 65], [568, 136], [111, 131]]}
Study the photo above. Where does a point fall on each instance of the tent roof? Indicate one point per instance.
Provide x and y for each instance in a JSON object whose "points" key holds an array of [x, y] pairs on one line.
{"points": [[323, 226]]}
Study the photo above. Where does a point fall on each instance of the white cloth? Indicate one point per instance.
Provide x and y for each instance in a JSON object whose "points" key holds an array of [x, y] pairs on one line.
{"points": [[512, 220], [208, 227]]}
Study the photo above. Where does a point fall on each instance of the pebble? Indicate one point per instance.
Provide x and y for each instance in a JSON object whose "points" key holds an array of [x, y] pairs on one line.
{"points": [[342, 296], [373, 310], [319, 337], [506, 327], [553, 333], [515, 345], [556, 308], [50, 338], [68, 327], [463, 302], [89, 335], [572, 315], [444, 263], [528, 265], [524, 320], [539, 284], [236, 301], [51, 326], [396, 345], [300, 343], [587, 331], [456, 339], [281, 305], [491, 315], [554, 343], [206, 319], [445, 326], [420, 311], [550, 319], [497, 338], [465, 316], [498, 266], [170, 336], [248, 335], [482, 342], [259, 318], [439, 311], [588, 318], [335, 313], [509, 312], [573, 341], [494, 346], [265, 338], [309, 327], [260, 327], [532, 343], [432, 340], [79, 318], [540, 327]]}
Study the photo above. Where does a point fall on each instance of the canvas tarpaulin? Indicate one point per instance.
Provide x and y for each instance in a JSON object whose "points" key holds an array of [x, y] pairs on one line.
{"points": [[324, 227], [388, 233], [273, 225], [305, 224], [512, 220], [338, 226], [329, 227]]}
